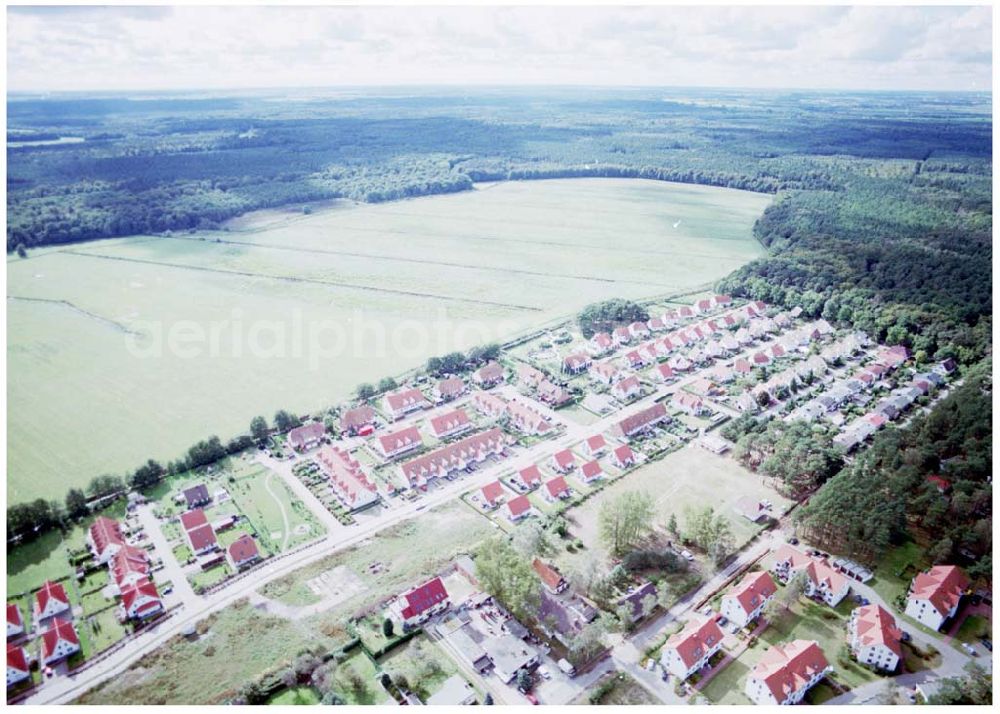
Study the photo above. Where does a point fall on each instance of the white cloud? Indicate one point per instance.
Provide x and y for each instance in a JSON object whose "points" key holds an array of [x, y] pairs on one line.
{"points": [[237, 47]]}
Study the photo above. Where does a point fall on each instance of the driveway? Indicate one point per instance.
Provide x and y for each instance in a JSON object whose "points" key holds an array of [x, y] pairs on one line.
{"points": [[172, 570]]}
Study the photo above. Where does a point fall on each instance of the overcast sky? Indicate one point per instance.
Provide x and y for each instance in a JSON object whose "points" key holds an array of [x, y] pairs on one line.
{"points": [[238, 47]]}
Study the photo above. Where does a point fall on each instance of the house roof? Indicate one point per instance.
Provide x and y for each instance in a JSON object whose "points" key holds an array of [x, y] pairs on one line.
{"points": [[752, 590], [129, 560], [359, 416], [59, 630], [105, 531], [596, 442], [14, 615], [196, 494], [490, 372], [785, 669], [444, 423], [424, 597], [564, 458], [135, 592], [492, 492], [556, 486], [665, 371], [693, 641], [519, 505], [17, 658], [402, 439], [405, 398], [302, 434], [942, 586], [650, 415], [623, 453], [193, 519], [243, 549], [346, 473], [591, 469], [530, 475], [602, 340], [548, 575], [627, 384], [742, 365], [452, 455], [202, 537], [876, 626], [50, 591], [451, 386]]}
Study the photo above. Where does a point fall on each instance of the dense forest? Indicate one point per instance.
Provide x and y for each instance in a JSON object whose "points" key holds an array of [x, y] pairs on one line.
{"points": [[882, 220]]}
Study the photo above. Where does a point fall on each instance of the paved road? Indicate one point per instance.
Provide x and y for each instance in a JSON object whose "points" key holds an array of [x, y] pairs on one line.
{"points": [[172, 570]]}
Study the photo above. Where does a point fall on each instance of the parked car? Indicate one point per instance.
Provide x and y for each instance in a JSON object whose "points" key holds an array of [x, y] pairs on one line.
{"points": [[531, 698], [970, 649], [544, 671], [987, 643], [686, 554]]}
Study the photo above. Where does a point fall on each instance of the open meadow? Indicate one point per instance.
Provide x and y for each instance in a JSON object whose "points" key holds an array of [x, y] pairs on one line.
{"points": [[95, 386]]}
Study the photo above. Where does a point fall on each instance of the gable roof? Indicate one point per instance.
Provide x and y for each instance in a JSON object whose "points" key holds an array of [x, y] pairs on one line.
{"points": [[492, 492], [59, 630], [451, 386], [942, 586], [17, 658], [490, 372], [591, 469], [518, 505], [693, 641], [624, 453], [193, 519], [785, 669], [196, 494], [650, 415], [547, 574], [753, 590], [424, 597], [876, 626], [405, 398], [357, 417], [564, 458], [449, 421], [530, 475], [14, 615], [105, 531], [556, 486], [50, 591], [402, 439], [243, 548], [134, 592], [202, 537], [302, 434]]}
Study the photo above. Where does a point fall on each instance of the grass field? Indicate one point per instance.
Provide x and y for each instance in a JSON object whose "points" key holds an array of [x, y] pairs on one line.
{"points": [[296, 696], [476, 265], [422, 663], [617, 689]]}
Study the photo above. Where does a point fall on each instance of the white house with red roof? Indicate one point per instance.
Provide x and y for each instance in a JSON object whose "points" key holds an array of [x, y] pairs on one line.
{"points": [[638, 330], [556, 489], [822, 581], [634, 359], [399, 442], [406, 401], [686, 312], [517, 508], [935, 595], [663, 373], [623, 456], [526, 419], [722, 300], [627, 388], [590, 472], [621, 336], [461, 454], [104, 538], [15, 622], [576, 363], [489, 405], [595, 445], [600, 344], [18, 665], [348, 479], [553, 581], [786, 672], [679, 363], [702, 306], [688, 403], [690, 649], [529, 376], [242, 552], [447, 389], [198, 531], [413, 607], [488, 375], [563, 461], [140, 602], [59, 641], [492, 494], [359, 420], [129, 566], [747, 599], [605, 373], [875, 638], [529, 477], [641, 421], [305, 437], [50, 600], [450, 424]]}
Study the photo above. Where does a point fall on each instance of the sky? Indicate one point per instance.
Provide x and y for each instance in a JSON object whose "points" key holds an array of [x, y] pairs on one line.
{"points": [[190, 47]]}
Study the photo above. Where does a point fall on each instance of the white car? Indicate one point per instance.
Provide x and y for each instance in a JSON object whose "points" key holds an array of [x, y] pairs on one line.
{"points": [[686, 554], [544, 671]]}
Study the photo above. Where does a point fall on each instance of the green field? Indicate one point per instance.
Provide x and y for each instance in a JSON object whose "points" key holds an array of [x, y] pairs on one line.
{"points": [[471, 266]]}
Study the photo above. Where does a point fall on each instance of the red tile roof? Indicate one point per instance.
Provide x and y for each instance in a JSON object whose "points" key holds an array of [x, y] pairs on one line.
{"points": [[742, 366], [530, 476], [345, 473], [564, 458], [400, 440], [492, 492], [753, 590], [785, 669], [449, 422], [423, 598], [491, 372], [596, 442], [440, 461], [548, 575], [942, 586], [300, 435], [405, 398], [353, 419], [642, 419], [243, 549], [202, 537], [761, 358], [104, 532], [50, 591], [875, 626], [665, 371], [135, 592], [556, 487], [127, 561], [591, 469], [450, 387], [193, 519], [695, 640], [17, 658], [14, 615], [59, 630], [624, 454], [519, 505]]}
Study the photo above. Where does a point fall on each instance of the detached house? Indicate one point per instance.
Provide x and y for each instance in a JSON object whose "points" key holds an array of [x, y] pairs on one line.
{"points": [[529, 477], [406, 401], [198, 531], [663, 373], [518, 508], [563, 461], [874, 638], [623, 456], [595, 446], [638, 330], [641, 421], [556, 489], [413, 607], [242, 552], [140, 602], [690, 649], [529, 377], [550, 577], [50, 600], [489, 405], [621, 336], [688, 403], [18, 665], [600, 344], [358, 421], [786, 672], [746, 601], [448, 389], [59, 641], [301, 438], [450, 424], [934, 596], [590, 472], [15, 623], [399, 442], [488, 375], [627, 388], [605, 373], [552, 394], [822, 581], [576, 363], [492, 494]]}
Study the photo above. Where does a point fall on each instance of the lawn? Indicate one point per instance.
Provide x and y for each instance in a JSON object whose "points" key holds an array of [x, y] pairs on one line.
{"points": [[207, 578], [356, 679], [31, 564], [102, 630], [422, 663], [616, 689], [972, 628], [297, 695], [472, 258], [281, 521], [896, 569]]}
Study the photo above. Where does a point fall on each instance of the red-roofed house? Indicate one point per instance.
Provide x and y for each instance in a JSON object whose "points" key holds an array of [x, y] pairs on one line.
{"points": [[595, 446], [605, 373], [526, 419], [663, 372], [688, 403], [563, 461], [448, 389], [202, 539], [576, 363], [417, 605], [627, 388], [517, 508], [50, 600], [786, 672], [489, 405], [777, 351], [875, 419], [590, 472], [193, 519], [690, 649], [104, 538], [550, 577], [621, 336], [702, 306], [935, 595], [821, 580], [492, 494], [942, 484], [140, 601], [348, 479], [400, 442], [742, 366], [874, 637], [529, 376], [358, 420], [641, 421], [242, 552], [529, 477], [451, 424], [761, 358], [129, 566], [15, 622], [745, 601], [623, 456], [59, 641], [18, 665], [488, 375], [722, 300], [634, 360], [686, 312], [555, 489], [399, 404], [452, 457], [305, 437], [600, 344]]}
